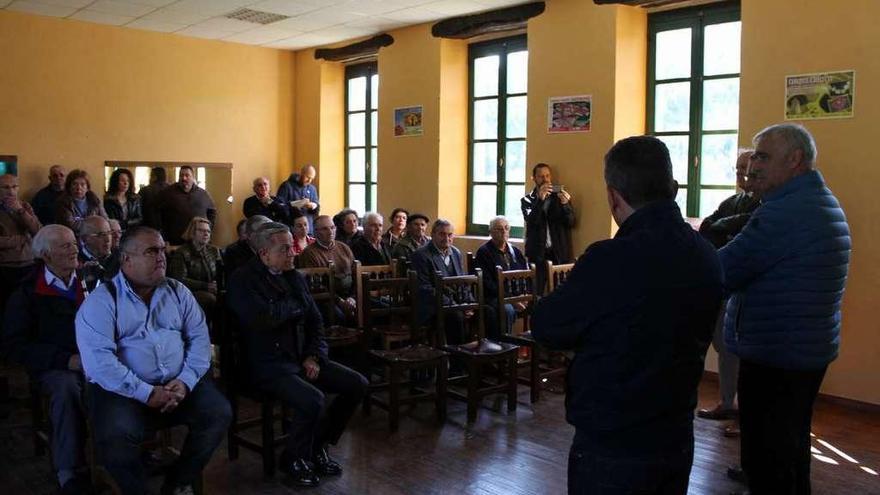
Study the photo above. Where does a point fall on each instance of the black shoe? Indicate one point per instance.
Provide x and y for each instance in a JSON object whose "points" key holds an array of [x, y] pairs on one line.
{"points": [[736, 473], [301, 473], [325, 465], [77, 486]]}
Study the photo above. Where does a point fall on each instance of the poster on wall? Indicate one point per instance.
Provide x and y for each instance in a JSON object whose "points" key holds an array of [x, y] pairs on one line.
{"points": [[569, 114], [823, 95], [408, 121]]}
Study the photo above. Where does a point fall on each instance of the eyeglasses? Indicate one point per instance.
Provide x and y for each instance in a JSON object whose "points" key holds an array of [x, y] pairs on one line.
{"points": [[105, 233]]}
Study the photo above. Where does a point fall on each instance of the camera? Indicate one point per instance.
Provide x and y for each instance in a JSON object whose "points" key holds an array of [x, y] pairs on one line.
{"points": [[556, 188]]}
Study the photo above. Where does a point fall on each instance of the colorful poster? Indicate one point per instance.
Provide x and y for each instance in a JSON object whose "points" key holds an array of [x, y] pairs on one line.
{"points": [[408, 121], [569, 114], [824, 95]]}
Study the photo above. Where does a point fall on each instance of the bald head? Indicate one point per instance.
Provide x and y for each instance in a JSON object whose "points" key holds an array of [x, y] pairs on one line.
{"points": [[307, 175], [57, 174]]}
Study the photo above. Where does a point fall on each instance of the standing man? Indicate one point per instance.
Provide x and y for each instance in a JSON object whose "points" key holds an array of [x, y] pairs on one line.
{"points": [[182, 201], [549, 218], [638, 311], [18, 224], [786, 271], [262, 203], [44, 201], [300, 194], [150, 197], [370, 249], [145, 351]]}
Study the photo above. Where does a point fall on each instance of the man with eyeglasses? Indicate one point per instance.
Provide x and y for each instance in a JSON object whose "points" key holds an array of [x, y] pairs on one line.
{"points": [[327, 249], [146, 353], [97, 261]]}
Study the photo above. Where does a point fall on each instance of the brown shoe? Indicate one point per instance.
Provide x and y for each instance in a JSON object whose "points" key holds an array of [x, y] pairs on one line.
{"points": [[731, 430], [718, 413]]}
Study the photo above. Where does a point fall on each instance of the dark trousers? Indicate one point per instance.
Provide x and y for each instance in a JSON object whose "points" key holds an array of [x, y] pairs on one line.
{"points": [[541, 275], [662, 473], [493, 326], [310, 429], [776, 408], [67, 416], [120, 424]]}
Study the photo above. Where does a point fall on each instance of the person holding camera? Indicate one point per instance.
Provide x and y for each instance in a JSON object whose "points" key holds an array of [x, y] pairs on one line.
{"points": [[549, 218]]}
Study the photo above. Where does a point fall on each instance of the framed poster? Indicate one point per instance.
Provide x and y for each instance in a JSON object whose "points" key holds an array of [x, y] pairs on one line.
{"points": [[823, 95], [569, 114], [408, 121]]}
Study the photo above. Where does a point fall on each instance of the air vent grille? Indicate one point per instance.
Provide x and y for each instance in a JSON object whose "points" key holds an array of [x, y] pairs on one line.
{"points": [[255, 16]]}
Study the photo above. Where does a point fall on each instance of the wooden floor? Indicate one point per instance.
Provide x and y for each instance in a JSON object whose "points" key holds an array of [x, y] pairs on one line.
{"points": [[522, 453]]}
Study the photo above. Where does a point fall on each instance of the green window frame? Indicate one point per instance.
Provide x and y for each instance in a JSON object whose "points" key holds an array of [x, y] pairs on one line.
{"points": [[693, 99], [361, 136], [497, 169]]}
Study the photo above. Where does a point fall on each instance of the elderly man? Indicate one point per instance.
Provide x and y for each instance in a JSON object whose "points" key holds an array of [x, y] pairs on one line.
{"points": [[416, 226], [549, 218], [326, 250], [97, 261], [115, 234], [300, 194], [786, 272], [145, 351], [369, 248], [180, 202], [38, 332], [18, 224], [44, 201], [262, 203], [638, 311], [241, 251], [497, 251], [287, 356]]}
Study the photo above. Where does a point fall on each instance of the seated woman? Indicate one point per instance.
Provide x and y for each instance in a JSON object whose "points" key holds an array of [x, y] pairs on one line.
{"points": [[77, 201], [397, 228], [120, 202], [196, 264], [347, 222], [301, 237]]}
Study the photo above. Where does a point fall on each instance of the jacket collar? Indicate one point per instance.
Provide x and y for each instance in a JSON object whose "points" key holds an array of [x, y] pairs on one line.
{"points": [[812, 178], [658, 211]]}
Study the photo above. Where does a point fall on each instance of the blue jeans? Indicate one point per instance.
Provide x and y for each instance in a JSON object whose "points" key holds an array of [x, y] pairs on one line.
{"points": [[120, 423]]}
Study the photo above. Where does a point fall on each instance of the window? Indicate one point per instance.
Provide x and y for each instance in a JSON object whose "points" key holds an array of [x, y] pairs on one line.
{"points": [[693, 100], [141, 176], [497, 134], [361, 136]]}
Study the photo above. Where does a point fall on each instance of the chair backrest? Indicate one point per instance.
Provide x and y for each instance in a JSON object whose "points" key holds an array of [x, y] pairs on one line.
{"points": [[514, 287], [321, 284], [371, 272], [471, 261], [391, 301], [460, 293], [556, 274]]}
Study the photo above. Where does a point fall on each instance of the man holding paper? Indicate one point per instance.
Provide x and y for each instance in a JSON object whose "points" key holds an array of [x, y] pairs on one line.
{"points": [[300, 195]]}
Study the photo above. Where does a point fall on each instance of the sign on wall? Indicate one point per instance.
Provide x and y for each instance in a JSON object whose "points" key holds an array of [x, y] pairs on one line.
{"points": [[569, 114], [823, 95], [408, 121]]}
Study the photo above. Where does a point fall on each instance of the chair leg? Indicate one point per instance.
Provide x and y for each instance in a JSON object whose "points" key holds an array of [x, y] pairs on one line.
{"points": [[267, 419], [511, 382], [232, 432], [393, 397], [442, 377], [535, 372], [473, 390]]}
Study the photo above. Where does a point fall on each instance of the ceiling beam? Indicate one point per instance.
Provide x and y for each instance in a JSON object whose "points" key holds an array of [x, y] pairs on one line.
{"points": [[355, 51], [468, 26]]}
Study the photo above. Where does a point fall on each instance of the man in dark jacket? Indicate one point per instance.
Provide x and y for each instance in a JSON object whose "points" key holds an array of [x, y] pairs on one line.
{"points": [[150, 197], [638, 311], [180, 202], [786, 271], [241, 251], [44, 201], [262, 203], [286, 355], [98, 263], [370, 249], [496, 252], [549, 218], [300, 194], [39, 333]]}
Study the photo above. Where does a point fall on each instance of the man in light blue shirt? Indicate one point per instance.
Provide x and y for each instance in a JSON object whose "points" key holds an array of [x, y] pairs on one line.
{"points": [[145, 351]]}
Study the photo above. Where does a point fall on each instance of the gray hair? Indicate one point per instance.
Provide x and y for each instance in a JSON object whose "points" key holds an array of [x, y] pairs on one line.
{"points": [[42, 241], [89, 225], [796, 137], [260, 179], [263, 237], [253, 224], [372, 214], [130, 236], [497, 220], [113, 222], [439, 224]]}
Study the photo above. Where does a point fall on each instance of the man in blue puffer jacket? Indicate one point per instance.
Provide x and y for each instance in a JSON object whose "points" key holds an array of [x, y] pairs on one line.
{"points": [[786, 273]]}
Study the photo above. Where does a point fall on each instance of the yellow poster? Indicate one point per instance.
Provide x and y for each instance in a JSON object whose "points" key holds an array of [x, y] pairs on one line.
{"points": [[824, 95]]}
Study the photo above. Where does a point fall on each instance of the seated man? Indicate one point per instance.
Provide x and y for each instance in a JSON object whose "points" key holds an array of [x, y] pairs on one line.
{"points": [[286, 355], [240, 252], [321, 253], [38, 332], [115, 233], [145, 351], [498, 252], [369, 248], [416, 226], [97, 261]]}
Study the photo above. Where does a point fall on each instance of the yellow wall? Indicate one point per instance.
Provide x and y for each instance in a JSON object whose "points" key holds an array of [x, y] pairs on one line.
{"points": [[817, 42], [78, 94]]}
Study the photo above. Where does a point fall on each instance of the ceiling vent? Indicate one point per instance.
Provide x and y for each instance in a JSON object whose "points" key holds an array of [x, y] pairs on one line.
{"points": [[255, 16]]}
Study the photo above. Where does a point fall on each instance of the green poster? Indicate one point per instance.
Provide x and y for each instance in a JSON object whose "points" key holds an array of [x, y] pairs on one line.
{"points": [[824, 95]]}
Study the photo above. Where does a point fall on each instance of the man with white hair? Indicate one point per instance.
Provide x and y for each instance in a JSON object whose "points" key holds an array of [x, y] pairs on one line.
{"points": [[369, 248], [263, 203], [497, 251], [241, 251], [97, 260], [786, 272], [115, 233], [38, 332]]}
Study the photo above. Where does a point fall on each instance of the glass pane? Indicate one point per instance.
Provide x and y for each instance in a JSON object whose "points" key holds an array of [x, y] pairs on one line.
{"points": [[718, 160], [486, 76], [141, 177], [711, 198], [517, 72], [721, 104], [374, 165], [357, 129], [721, 48], [516, 117], [672, 106], [678, 153], [374, 198], [512, 195], [485, 162], [374, 128], [681, 199], [357, 198], [483, 204], [515, 161], [356, 165], [486, 119], [357, 94], [374, 91], [673, 57]]}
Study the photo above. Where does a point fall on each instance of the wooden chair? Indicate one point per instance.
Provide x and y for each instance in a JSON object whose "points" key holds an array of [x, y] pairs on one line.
{"points": [[374, 272], [556, 274], [321, 283], [390, 314], [461, 294]]}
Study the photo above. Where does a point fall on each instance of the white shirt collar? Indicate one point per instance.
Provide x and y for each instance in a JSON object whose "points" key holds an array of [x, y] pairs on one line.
{"points": [[52, 279]]}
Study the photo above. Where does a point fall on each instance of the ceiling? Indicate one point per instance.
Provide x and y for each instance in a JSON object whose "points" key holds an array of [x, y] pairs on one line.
{"points": [[309, 22]]}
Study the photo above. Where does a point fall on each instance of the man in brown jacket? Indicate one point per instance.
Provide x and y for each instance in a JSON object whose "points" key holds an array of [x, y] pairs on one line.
{"points": [[180, 202], [18, 224], [327, 249]]}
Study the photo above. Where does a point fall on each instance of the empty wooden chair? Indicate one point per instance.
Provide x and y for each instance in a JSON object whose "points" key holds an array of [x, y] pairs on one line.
{"points": [[373, 272], [556, 274]]}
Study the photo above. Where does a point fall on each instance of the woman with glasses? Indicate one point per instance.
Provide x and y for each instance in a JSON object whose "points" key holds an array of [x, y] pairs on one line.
{"points": [[198, 264]]}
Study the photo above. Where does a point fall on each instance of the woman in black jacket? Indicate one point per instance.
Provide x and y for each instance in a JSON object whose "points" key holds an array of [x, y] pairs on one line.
{"points": [[121, 202]]}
